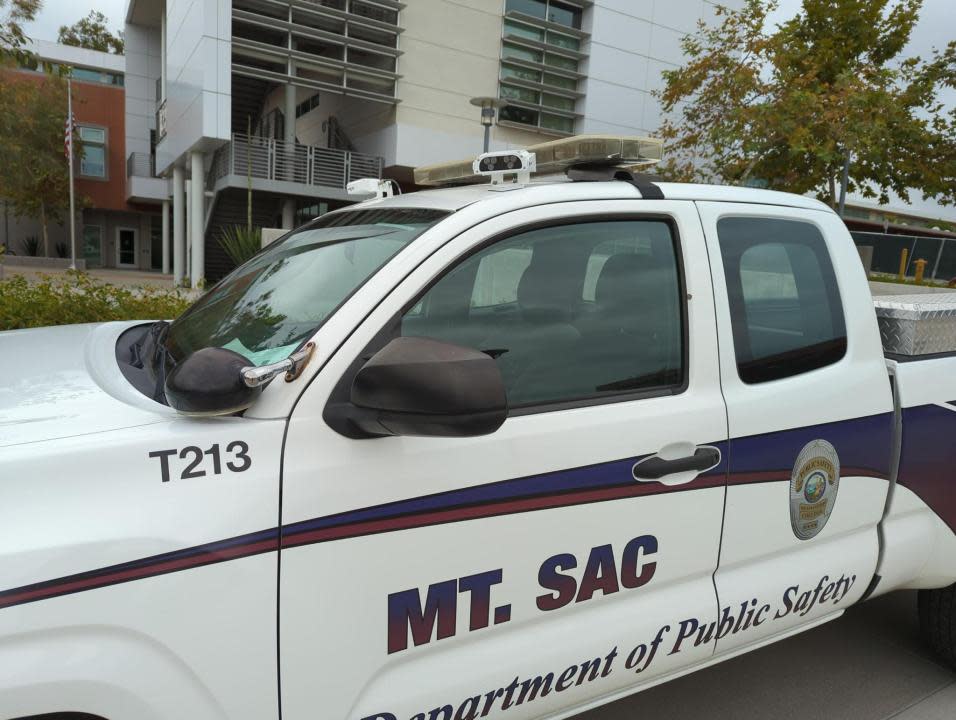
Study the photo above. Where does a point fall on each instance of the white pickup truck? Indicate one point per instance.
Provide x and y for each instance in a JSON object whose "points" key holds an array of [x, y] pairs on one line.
{"points": [[529, 447]]}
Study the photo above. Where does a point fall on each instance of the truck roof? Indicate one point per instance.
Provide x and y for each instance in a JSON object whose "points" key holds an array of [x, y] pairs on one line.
{"points": [[545, 190]]}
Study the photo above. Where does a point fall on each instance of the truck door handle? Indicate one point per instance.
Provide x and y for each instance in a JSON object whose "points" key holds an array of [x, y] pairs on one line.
{"points": [[655, 467]]}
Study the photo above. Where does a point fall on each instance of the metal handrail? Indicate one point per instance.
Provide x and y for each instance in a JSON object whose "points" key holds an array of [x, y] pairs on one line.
{"points": [[270, 159], [140, 164]]}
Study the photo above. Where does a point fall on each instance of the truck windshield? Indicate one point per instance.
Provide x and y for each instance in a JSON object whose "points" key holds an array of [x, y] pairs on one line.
{"points": [[265, 308]]}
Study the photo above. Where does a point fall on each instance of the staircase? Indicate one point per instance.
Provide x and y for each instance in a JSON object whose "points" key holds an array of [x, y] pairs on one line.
{"points": [[230, 209]]}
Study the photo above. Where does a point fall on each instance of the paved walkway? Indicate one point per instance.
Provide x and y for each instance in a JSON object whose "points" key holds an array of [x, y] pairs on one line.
{"points": [[125, 278], [868, 665]]}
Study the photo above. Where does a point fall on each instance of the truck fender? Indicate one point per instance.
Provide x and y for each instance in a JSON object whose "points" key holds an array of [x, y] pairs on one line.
{"points": [[106, 671]]}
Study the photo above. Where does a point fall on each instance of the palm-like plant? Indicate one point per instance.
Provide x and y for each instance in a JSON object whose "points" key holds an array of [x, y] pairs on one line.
{"points": [[240, 243]]}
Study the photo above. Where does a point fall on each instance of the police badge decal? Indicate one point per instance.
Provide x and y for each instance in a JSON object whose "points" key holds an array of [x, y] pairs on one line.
{"points": [[813, 488]]}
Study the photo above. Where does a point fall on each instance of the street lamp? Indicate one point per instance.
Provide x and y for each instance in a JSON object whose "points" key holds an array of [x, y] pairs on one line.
{"points": [[489, 107]]}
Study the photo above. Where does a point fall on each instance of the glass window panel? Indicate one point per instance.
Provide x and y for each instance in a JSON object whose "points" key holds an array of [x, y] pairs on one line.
{"points": [[372, 59], [565, 41], [93, 162], [564, 14], [555, 101], [319, 48], [560, 61], [374, 12], [515, 93], [524, 31], [556, 122], [333, 76], [510, 71], [369, 84], [561, 81], [520, 301], [519, 115], [92, 135], [536, 8], [786, 313], [518, 53], [379, 37]]}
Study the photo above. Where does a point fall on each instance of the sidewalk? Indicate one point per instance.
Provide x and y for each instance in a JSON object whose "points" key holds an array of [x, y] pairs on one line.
{"points": [[868, 665]]}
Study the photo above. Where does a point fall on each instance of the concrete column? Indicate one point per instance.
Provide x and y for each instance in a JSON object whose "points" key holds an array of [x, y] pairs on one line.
{"points": [[288, 214], [165, 237], [197, 219], [179, 225], [288, 207], [187, 256], [289, 112]]}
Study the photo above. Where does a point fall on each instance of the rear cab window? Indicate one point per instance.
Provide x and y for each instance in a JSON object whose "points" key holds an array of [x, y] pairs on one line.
{"points": [[785, 306]]}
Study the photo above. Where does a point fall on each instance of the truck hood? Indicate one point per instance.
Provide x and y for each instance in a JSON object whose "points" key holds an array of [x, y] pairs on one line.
{"points": [[64, 381]]}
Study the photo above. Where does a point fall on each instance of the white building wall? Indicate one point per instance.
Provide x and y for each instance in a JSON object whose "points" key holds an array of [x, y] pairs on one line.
{"points": [[199, 79], [632, 43], [142, 69]]}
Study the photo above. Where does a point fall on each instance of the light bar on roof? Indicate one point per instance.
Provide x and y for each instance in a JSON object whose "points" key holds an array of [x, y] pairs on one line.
{"points": [[557, 156]]}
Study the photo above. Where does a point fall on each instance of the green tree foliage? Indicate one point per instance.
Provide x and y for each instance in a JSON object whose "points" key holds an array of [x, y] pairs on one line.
{"points": [[13, 15], [77, 297], [92, 33], [787, 107], [34, 174]]}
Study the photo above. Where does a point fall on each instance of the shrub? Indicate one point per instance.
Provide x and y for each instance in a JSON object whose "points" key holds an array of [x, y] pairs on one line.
{"points": [[31, 245], [76, 297], [61, 249], [240, 242]]}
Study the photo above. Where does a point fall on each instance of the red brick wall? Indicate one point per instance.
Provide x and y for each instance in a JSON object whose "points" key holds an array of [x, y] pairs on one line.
{"points": [[104, 106]]}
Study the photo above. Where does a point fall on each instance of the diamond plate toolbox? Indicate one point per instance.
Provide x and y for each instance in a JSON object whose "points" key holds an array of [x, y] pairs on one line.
{"points": [[921, 324]]}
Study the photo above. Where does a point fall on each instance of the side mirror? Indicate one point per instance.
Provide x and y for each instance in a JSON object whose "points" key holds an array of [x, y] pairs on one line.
{"points": [[210, 382], [420, 386]]}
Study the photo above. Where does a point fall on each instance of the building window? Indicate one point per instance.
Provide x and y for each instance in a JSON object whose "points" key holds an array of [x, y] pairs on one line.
{"points": [[93, 160], [549, 10], [540, 66], [307, 106]]}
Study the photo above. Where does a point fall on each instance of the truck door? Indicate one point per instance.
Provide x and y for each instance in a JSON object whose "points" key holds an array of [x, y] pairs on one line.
{"points": [[528, 570], [810, 412]]}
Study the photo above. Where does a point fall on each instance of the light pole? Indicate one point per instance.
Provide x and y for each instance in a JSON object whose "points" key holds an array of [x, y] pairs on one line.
{"points": [[489, 108]]}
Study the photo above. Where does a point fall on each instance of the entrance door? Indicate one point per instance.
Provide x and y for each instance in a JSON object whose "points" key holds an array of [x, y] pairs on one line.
{"points": [[544, 566], [126, 247], [810, 412]]}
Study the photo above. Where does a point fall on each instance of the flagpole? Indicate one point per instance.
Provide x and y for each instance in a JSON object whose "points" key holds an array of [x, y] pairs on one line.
{"points": [[69, 120]]}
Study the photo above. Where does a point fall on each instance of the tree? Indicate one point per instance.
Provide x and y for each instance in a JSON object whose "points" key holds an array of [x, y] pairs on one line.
{"points": [[13, 14], [92, 33], [823, 93], [34, 174]]}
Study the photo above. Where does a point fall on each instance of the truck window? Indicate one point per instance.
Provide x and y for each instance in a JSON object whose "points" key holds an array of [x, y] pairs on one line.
{"points": [[784, 301], [570, 313]]}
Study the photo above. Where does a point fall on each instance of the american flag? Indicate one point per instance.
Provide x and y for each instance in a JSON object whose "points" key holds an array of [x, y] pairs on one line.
{"points": [[68, 127]]}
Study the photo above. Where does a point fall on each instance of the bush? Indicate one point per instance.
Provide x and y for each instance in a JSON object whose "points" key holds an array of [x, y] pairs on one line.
{"points": [[76, 297], [31, 245], [240, 242]]}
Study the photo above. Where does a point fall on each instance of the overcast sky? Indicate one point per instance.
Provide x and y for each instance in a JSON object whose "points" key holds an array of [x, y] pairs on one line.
{"points": [[935, 28]]}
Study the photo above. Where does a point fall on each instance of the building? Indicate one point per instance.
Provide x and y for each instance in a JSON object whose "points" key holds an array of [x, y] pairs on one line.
{"points": [[298, 97], [113, 229]]}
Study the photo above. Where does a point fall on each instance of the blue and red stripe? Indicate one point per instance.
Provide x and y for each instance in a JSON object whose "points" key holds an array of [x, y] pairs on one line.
{"points": [[860, 444]]}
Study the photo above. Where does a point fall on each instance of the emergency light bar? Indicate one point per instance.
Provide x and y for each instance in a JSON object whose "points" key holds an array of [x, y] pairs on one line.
{"points": [[546, 158]]}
